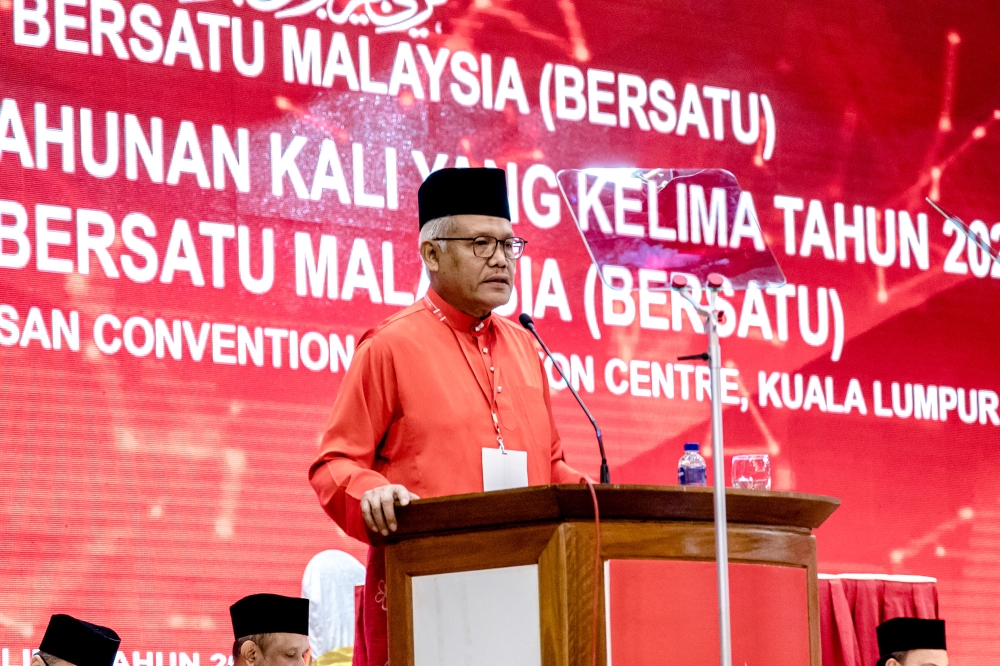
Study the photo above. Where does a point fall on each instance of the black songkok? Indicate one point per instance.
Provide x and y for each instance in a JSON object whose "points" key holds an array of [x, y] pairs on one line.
{"points": [[270, 614], [80, 643], [908, 633], [463, 192]]}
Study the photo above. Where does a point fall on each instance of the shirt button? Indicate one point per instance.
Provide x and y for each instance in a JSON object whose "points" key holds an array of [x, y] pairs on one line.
{"points": [[491, 368], [485, 350], [499, 389]]}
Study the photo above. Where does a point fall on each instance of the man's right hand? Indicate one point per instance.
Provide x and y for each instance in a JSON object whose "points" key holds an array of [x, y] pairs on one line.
{"points": [[378, 506]]}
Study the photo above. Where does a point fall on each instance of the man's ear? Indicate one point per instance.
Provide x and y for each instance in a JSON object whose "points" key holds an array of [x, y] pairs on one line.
{"points": [[430, 253], [250, 652], [37, 661]]}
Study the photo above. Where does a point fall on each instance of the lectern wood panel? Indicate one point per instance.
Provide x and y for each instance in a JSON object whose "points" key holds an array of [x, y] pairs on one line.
{"points": [[566, 594], [550, 526], [666, 612], [488, 549]]}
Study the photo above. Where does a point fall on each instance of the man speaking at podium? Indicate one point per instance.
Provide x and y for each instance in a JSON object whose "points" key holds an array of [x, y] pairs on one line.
{"points": [[443, 397]]}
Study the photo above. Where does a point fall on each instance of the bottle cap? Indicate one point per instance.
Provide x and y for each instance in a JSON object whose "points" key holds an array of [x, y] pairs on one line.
{"points": [[691, 446]]}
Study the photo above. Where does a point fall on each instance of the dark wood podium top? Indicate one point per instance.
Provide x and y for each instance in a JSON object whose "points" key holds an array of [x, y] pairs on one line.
{"points": [[559, 503]]}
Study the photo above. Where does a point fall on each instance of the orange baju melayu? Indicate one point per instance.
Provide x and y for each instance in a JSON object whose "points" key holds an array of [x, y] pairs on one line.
{"points": [[428, 389]]}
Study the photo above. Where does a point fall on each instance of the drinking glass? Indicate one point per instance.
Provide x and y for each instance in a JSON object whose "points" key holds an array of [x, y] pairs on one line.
{"points": [[752, 472]]}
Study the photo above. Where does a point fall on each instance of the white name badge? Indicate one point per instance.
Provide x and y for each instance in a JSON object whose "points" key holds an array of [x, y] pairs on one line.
{"points": [[504, 469]]}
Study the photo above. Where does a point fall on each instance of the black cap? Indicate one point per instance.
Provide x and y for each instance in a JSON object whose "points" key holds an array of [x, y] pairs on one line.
{"points": [[80, 643], [908, 633], [463, 192], [270, 614]]}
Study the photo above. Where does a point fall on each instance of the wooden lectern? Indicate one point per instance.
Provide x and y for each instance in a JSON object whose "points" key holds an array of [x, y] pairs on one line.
{"points": [[508, 577]]}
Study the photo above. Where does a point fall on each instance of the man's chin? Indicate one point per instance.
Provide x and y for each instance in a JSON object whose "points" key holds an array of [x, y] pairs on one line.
{"points": [[494, 294]]}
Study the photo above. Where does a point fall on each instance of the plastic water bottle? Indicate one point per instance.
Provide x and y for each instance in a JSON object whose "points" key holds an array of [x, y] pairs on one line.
{"points": [[691, 467]]}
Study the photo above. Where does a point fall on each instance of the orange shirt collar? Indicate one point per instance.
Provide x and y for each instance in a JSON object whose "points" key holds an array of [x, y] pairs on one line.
{"points": [[454, 317]]}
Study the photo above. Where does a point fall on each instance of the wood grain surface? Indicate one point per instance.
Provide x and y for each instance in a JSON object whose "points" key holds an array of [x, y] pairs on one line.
{"points": [[557, 503]]}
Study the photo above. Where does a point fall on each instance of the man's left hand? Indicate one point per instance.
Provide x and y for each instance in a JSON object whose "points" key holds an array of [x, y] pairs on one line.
{"points": [[378, 506]]}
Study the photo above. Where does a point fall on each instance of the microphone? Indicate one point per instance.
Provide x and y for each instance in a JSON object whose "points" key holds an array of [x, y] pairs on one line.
{"points": [[529, 324]]}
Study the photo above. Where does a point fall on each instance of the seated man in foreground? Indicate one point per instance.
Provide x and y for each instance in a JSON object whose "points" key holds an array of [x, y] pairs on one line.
{"points": [[77, 643], [437, 392], [909, 641], [270, 630]]}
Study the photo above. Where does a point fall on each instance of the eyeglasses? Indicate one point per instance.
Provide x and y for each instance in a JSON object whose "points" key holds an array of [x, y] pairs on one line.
{"points": [[484, 246]]}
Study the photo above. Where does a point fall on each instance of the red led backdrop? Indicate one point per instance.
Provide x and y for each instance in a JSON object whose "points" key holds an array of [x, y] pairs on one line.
{"points": [[203, 206]]}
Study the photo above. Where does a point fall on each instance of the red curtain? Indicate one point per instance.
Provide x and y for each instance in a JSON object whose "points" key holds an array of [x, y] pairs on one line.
{"points": [[851, 608]]}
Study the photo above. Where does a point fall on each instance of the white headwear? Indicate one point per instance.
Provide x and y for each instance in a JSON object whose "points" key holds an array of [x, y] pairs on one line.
{"points": [[328, 583]]}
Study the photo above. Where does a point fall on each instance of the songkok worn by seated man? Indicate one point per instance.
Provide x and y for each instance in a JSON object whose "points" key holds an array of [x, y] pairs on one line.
{"points": [[76, 642], [433, 390], [910, 641], [270, 630]]}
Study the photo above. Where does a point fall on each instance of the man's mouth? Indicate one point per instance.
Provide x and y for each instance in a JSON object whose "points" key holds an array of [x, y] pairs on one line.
{"points": [[502, 279]]}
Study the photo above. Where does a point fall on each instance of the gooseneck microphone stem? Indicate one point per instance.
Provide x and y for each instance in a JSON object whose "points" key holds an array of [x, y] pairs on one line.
{"points": [[528, 323]]}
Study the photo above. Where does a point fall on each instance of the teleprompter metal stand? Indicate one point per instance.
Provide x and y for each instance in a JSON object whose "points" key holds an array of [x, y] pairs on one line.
{"points": [[710, 315]]}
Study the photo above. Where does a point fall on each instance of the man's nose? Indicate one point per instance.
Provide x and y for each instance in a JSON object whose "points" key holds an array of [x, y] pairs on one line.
{"points": [[499, 257]]}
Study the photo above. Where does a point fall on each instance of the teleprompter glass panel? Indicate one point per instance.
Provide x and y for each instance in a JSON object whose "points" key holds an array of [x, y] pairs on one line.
{"points": [[691, 221]]}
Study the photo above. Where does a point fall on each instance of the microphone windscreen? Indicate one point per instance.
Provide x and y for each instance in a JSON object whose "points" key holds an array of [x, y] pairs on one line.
{"points": [[525, 320]]}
